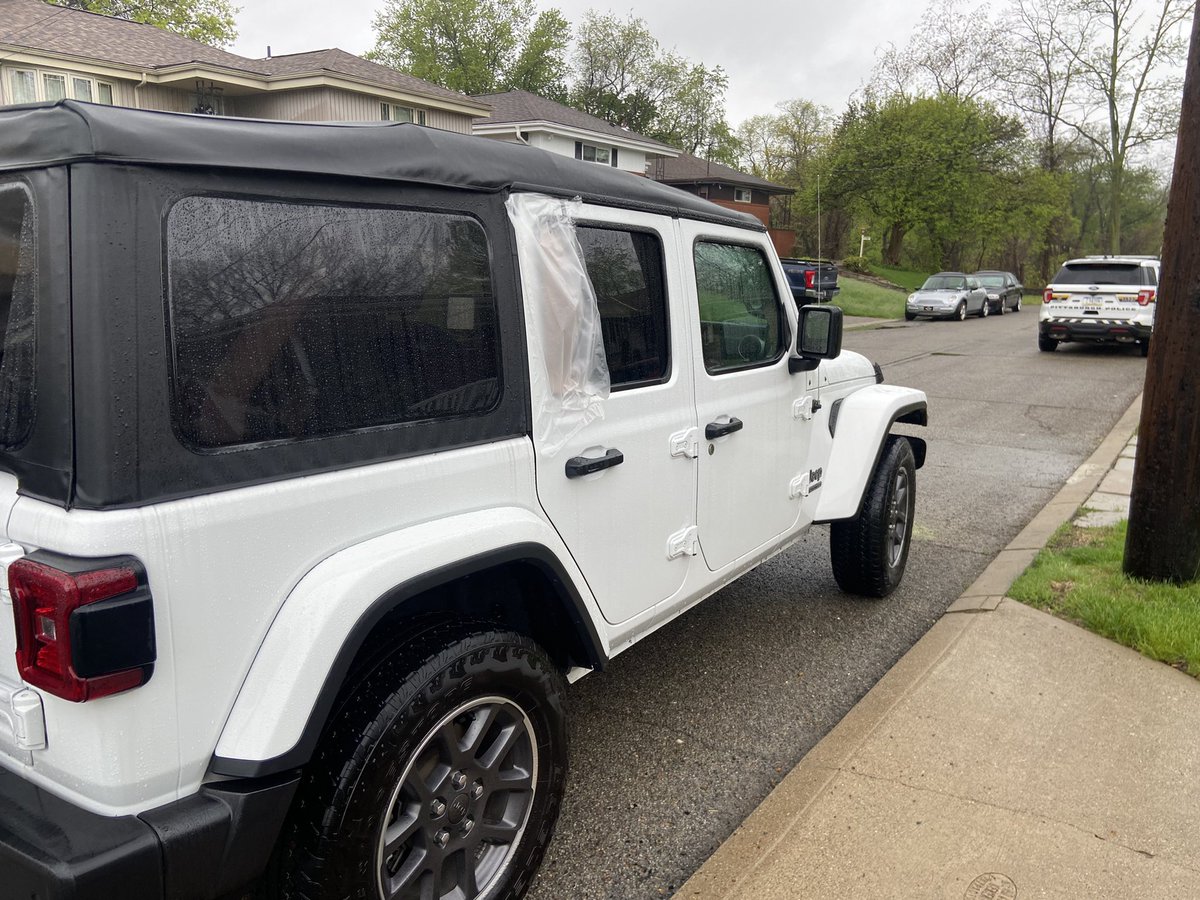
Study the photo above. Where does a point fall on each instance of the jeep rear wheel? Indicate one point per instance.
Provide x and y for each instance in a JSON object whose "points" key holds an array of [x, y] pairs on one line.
{"points": [[869, 552], [439, 777], [1046, 344]]}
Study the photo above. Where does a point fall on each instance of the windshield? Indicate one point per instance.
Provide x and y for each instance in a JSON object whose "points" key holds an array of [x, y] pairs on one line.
{"points": [[944, 283], [1099, 273], [992, 280]]}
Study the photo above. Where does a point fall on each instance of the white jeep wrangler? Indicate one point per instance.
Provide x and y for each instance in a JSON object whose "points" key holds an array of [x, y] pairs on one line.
{"points": [[331, 454]]}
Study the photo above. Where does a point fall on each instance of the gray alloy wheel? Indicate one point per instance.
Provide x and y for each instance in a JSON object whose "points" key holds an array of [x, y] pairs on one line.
{"points": [[961, 312], [985, 308], [459, 810], [1003, 308], [439, 775], [1017, 305]]}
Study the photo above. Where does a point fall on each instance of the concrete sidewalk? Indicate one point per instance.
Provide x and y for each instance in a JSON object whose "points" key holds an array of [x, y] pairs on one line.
{"points": [[1008, 754]]}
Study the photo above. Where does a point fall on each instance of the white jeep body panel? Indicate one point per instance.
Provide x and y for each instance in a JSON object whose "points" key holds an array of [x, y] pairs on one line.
{"points": [[280, 691], [221, 567], [863, 421]]}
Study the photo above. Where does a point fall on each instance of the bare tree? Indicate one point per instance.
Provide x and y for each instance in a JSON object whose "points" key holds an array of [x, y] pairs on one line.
{"points": [[1037, 76], [948, 55], [1128, 71]]}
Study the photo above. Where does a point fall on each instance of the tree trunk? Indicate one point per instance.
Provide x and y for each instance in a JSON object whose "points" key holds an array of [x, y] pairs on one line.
{"points": [[1115, 182], [1163, 543], [894, 245]]}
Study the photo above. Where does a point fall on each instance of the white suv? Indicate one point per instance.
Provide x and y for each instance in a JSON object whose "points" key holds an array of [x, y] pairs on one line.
{"points": [[330, 455], [1102, 299]]}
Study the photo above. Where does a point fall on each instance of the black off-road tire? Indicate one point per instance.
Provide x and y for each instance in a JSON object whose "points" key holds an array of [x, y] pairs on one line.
{"points": [[384, 733], [908, 317], [866, 558], [1047, 345], [1144, 348]]}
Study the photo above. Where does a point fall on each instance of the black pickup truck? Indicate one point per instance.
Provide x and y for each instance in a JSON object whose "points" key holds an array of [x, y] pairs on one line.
{"points": [[811, 281]]}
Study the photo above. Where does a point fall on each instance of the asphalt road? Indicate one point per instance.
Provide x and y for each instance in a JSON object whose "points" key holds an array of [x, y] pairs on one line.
{"points": [[686, 732]]}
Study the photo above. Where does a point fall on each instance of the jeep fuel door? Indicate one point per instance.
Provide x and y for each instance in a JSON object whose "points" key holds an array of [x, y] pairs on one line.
{"points": [[743, 336], [621, 486]]}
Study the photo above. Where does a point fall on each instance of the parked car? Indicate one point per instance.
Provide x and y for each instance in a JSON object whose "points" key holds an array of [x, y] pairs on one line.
{"points": [[1003, 290], [332, 454], [947, 295], [811, 281], [1100, 299]]}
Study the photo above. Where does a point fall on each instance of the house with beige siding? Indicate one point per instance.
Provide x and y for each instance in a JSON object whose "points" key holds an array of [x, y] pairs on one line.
{"points": [[525, 118], [51, 52]]}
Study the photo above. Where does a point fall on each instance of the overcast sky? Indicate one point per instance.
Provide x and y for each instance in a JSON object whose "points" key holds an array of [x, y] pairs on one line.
{"points": [[772, 50]]}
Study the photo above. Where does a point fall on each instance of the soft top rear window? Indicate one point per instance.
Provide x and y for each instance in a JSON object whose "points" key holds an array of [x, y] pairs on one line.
{"points": [[1101, 273], [18, 309]]}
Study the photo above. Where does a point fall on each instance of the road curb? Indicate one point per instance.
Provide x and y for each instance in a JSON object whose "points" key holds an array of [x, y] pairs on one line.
{"points": [[1014, 559], [770, 824]]}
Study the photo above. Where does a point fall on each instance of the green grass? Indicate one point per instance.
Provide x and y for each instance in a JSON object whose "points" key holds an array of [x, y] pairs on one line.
{"points": [[861, 298], [1078, 577], [906, 278]]}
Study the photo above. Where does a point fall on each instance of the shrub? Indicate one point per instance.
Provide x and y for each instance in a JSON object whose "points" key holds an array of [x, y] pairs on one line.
{"points": [[857, 264]]}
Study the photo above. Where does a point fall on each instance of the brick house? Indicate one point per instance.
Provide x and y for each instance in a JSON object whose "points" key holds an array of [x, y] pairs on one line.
{"points": [[730, 188]]}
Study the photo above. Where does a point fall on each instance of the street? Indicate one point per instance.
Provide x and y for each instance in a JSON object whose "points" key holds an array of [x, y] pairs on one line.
{"points": [[686, 732]]}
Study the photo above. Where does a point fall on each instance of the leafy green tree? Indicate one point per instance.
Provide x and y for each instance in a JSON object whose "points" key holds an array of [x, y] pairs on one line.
{"points": [[474, 46], [207, 21], [929, 164]]}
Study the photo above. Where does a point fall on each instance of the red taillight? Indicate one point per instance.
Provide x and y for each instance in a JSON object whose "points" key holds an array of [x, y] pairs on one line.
{"points": [[44, 599], [1145, 298], [1047, 295], [810, 278]]}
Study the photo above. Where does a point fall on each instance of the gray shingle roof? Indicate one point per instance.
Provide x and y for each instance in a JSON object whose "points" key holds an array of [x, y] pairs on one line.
{"points": [[513, 107], [688, 169], [36, 25]]}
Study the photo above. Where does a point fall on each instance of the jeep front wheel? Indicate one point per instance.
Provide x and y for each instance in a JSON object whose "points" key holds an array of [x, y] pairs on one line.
{"points": [[870, 551], [440, 776]]}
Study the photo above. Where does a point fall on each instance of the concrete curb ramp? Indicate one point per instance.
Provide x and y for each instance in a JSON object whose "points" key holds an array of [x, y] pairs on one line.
{"points": [[1006, 755]]}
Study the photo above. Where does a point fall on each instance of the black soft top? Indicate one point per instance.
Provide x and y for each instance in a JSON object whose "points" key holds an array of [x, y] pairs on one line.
{"points": [[68, 131]]}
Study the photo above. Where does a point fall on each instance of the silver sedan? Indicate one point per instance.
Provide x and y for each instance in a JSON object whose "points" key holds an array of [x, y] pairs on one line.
{"points": [[948, 295]]}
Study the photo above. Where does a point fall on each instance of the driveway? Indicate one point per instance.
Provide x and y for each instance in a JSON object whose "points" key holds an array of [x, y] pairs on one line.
{"points": [[686, 732]]}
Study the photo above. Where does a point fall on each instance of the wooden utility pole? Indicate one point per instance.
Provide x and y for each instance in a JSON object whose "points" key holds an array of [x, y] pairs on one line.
{"points": [[1163, 543]]}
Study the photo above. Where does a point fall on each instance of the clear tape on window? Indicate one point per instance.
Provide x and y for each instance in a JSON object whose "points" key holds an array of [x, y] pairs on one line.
{"points": [[568, 369]]}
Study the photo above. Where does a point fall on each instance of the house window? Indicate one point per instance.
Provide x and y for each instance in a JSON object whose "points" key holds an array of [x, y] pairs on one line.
{"points": [[605, 156], [393, 113], [741, 195], [32, 86]]}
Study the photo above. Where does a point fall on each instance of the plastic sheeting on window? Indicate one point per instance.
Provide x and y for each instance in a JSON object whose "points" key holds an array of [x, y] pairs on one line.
{"points": [[568, 370]]}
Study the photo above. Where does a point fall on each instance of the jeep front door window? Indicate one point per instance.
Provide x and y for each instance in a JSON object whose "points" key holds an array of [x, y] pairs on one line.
{"points": [[752, 447]]}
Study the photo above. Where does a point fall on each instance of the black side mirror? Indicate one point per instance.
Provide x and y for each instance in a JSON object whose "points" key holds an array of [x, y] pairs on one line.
{"points": [[820, 337]]}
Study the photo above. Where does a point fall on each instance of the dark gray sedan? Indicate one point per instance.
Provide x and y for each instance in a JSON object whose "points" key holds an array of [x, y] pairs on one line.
{"points": [[1003, 290], [948, 295]]}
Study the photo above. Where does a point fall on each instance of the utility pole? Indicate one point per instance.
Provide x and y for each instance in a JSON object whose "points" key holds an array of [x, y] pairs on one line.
{"points": [[1163, 543]]}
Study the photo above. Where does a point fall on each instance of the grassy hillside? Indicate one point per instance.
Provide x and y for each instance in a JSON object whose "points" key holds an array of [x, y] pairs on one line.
{"points": [[862, 298]]}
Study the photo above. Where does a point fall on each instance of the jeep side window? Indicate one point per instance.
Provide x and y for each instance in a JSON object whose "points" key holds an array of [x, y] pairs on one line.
{"points": [[626, 271], [741, 319], [18, 305], [292, 321]]}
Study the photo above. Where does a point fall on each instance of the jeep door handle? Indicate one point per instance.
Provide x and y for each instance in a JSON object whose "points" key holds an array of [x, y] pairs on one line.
{"points": [[718, 429], [585, 465]]}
